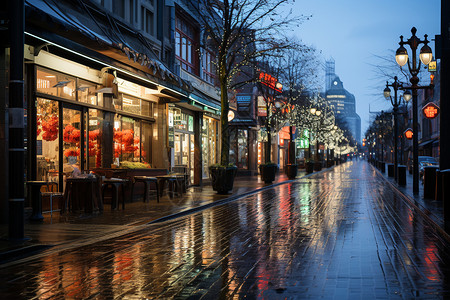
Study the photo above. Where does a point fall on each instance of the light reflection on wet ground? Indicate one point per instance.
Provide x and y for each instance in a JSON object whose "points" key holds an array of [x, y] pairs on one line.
{"points": [[339, 234]]}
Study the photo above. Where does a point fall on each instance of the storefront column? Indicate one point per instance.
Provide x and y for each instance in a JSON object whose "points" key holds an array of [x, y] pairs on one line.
{"points": [[252, 152], [3, 139], [198, 160], [16, 113], [160, 150]]}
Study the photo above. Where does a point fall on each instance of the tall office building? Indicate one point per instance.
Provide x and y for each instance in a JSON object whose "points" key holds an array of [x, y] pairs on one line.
{"points": [[344, 106], [329, 73]]}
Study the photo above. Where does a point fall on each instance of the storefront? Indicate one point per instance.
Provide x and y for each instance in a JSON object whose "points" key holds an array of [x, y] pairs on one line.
{"points": [[75, 123], [184, 139], [243, 134]]}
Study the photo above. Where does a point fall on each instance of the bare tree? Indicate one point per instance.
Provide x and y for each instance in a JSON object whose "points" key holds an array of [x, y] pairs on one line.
{"points": [[241, 31]]}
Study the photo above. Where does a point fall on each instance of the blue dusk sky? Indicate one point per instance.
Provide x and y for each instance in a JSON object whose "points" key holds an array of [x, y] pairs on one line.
{"points": [[355, 32]]}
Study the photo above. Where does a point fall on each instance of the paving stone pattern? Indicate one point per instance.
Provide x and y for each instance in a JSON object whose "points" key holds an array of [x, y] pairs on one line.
{"points": [[340, 234]]}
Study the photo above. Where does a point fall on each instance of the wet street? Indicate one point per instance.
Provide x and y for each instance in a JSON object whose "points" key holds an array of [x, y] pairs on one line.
{"points": [[340, 234]]}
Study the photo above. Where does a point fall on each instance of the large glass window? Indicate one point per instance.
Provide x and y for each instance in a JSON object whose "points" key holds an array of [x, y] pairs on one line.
{"points": [[55, 84], [126, 139], [72, 139], [209, 143], [47, 139], [242, 144]]}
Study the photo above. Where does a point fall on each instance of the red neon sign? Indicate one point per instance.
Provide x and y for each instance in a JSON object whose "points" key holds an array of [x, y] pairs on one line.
{"points": [[409, 133], [269, 80], [431, 110]]}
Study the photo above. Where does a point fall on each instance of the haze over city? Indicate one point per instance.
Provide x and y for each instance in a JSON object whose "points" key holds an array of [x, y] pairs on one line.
{"points": [[354, 33]]}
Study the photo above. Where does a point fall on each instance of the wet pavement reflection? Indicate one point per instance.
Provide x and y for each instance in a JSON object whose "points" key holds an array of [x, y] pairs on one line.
{"points": [[340, 234]]}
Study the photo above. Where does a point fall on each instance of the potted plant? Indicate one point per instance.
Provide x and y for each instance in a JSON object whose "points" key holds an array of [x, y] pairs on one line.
{"points": [[222, 177], [268, 171], [310, 167], [291, 168]]}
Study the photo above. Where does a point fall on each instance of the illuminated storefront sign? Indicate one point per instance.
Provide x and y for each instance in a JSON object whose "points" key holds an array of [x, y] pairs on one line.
{"points": [[408, 133], [431, 110], [270, 81]]}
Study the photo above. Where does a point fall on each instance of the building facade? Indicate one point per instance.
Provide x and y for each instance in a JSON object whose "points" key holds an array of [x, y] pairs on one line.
{"points": [[120, 84], [344, 106]]}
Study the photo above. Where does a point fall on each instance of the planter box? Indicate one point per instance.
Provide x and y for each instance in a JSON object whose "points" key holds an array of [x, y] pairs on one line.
{"points": [[291, 171], [309, 167], [268, 172], [318, 166], [222, 178]]}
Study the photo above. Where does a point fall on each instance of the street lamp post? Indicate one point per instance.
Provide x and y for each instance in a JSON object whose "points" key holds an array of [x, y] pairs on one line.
{"points": [[317, 113], [396, 85], [401, 56]]}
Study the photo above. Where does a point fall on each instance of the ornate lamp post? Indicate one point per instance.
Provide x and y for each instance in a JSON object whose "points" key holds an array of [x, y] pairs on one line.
{"points": [[316, 112], [395, 101], [401, 56]]}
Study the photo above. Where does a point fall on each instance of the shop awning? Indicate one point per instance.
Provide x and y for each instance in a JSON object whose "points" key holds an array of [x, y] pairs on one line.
{"points": [[427, 143], [242, 121], [194, 98]]}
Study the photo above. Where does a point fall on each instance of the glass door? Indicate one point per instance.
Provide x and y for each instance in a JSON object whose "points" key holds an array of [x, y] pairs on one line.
{"points": [[73, 138], [47, 140]]}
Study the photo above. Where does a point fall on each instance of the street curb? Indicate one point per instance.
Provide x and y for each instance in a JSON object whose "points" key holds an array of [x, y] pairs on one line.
{"points": [[412, 203]]}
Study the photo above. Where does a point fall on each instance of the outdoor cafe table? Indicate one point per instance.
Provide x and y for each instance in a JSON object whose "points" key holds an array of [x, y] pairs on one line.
{"points": [[115, 183], [82, 194], [174, 182]]}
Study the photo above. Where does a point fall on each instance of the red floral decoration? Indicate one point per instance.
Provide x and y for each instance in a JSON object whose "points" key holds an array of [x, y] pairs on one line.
{"points": [[71, 134], [71, 152], [50, 128]]}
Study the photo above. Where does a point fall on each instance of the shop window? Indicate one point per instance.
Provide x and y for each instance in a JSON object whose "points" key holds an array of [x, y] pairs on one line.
{"points": [[209, 143], [71, 139], [242, 143], [126, 141], [131, 104], [86, 92], [47, 140], [55, 84], [95, 133]]}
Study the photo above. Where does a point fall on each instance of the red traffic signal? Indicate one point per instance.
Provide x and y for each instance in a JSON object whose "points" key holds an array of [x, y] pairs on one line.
{"points": [[431, 110], [408, 133]]}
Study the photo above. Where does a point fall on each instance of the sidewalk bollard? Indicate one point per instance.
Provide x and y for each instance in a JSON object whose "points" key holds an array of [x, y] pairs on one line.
{"points": [[390, 168], [429, 181], [445, 174], [438, 194], [401, 175]]}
